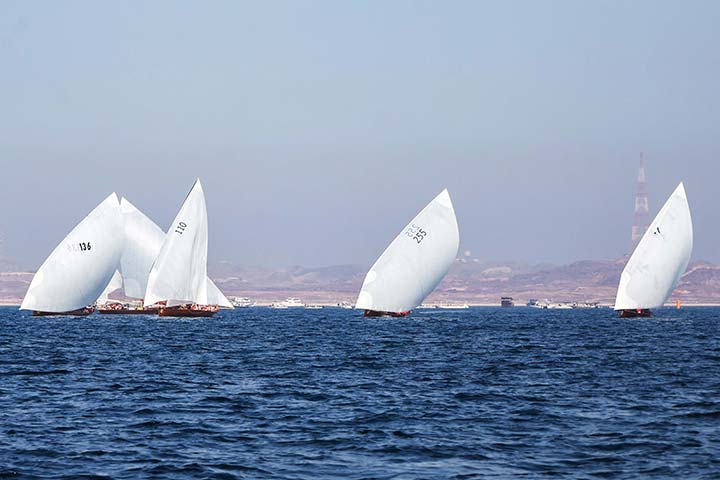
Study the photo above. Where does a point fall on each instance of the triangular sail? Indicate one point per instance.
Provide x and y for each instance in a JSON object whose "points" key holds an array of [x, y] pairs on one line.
{"points": [[660, 258], [115, 284], [143, 241], [415, 262], [80, 267], [216, 297], [179, 273]]}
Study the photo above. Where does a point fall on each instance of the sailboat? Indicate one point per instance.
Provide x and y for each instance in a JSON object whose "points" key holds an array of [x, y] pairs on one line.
{"points": [[178, 277], [216, 297], [414, 263], [659, 260], [143, 241], [81, 266]]}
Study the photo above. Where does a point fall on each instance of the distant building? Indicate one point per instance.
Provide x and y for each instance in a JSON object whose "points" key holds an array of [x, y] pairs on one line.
{"points": [[506, 302], [465, 257]]}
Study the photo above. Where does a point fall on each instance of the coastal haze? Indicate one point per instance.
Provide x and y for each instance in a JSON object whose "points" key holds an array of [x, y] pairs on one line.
{"points": [[314, 132], [319, 129]]}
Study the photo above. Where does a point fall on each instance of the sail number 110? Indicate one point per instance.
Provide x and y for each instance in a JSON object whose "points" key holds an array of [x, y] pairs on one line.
{"points": [[180, 227]]}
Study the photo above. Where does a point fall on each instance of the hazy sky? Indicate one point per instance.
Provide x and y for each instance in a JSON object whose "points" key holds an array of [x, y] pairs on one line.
{"points": [[320, 128]]}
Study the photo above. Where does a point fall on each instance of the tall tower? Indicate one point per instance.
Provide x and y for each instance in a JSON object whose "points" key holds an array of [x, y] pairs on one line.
{"points": [[641, 217]]}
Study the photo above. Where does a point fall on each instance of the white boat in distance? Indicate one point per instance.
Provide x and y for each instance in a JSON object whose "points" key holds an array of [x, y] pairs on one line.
{"points": [[548, 305], [659, 260], [453, 306], [443, 306], [559, 306], [585, 305], [241, 302], [414, 263], [77, 271], [290, 302]]}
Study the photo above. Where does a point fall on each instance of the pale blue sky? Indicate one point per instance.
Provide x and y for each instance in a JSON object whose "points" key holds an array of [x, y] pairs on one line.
{"points": [[320, 128]]}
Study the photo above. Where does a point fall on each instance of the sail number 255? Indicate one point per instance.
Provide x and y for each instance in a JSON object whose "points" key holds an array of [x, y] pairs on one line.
{"points": [[416, 233], [180, 228]]}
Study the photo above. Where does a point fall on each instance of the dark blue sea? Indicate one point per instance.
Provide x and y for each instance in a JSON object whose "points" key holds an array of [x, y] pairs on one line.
{"points": [[321, 394]]}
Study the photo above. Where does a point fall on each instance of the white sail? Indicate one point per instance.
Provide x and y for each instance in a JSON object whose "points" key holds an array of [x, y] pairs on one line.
{"points": [[216, 297], [660, 259], [80, 267], [179, 273], [415, 262], [143, 241], [115, 284]]}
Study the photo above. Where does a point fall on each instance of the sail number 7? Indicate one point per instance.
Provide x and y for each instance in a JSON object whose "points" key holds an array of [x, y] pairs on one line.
{"points": [[180, 227], [416, 233]]}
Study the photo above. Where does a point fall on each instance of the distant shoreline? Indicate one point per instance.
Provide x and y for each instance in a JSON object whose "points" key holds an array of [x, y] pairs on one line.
{"points": [[480, 284], [484, 305]]}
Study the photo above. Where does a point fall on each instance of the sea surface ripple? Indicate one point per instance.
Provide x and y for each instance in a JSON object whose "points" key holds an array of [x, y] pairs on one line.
{"points": [[316, 394]]}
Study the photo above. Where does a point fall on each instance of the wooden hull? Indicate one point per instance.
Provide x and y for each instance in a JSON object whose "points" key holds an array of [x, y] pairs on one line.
{"points": [[376, 313], [637, 313], [183, 311], [80, 312], [127, 311]]}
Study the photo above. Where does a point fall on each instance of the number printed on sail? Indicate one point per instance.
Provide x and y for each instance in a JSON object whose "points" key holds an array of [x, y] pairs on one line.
{"points": [[416, 233], [79, 247]]}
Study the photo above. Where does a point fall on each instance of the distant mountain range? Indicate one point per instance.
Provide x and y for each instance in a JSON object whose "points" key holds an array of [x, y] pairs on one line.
{"points": [[473, 282], [468, 281]]}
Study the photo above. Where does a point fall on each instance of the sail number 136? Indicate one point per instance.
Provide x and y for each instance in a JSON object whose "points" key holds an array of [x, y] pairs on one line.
{"points": [[79, 247]]}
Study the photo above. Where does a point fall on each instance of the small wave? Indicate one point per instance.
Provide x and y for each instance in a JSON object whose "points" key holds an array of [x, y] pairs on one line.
{"points": [[39, 452], [36, 372], [700, 415], [156, 424], [145, 411], [234, 467]]}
